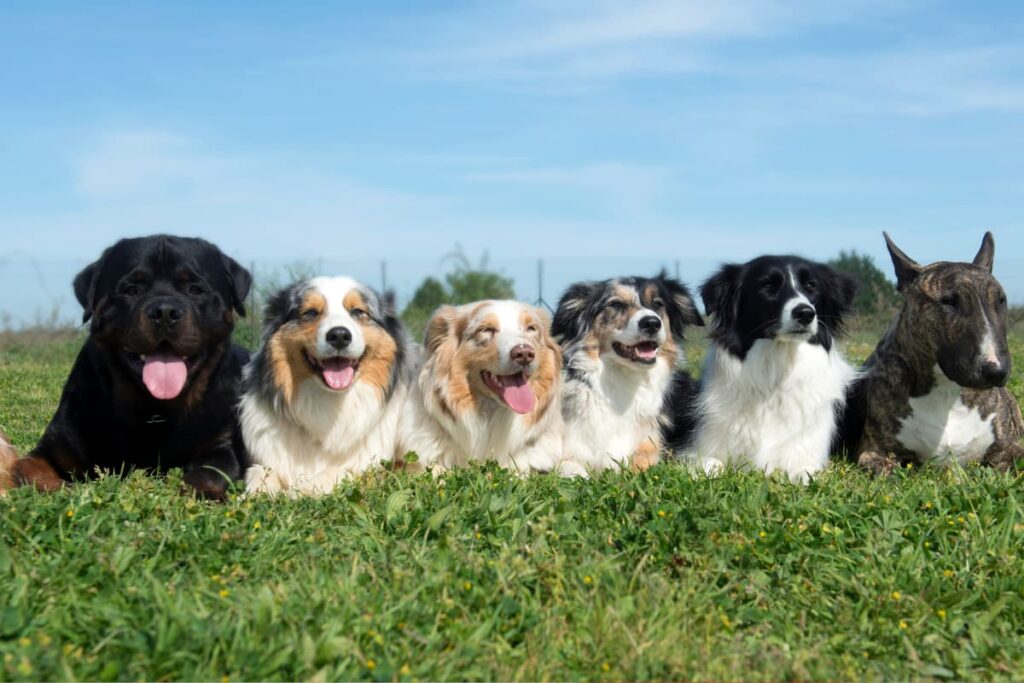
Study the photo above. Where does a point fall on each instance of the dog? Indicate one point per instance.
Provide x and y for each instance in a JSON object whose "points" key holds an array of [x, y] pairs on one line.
{"points": [[156, 382], [774, 381], [488, 391], [324, 391], [934, 388], [621, 343], [8, 456]]}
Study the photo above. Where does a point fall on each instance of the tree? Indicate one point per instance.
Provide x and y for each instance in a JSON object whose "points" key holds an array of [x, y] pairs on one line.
{"points": [[876, 294]]}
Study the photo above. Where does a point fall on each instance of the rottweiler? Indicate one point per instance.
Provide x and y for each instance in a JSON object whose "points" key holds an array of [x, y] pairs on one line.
{"points": [[156, 383]]}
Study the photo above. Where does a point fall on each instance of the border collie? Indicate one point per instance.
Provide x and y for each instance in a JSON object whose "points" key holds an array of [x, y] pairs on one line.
{"points": [[488, 390], [622, 342], [774, 380], [324, 391]]}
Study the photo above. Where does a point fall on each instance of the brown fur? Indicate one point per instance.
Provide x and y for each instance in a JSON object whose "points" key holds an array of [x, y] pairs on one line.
{"points": [[381, 350], [648, 454], [289, 344], [7, 457]]}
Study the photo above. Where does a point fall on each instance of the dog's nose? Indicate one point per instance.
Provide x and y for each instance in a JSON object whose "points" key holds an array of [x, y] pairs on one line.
{"points": [[339, 337], [995, 374], [804, 314], [523, 354], [164, 313], [650, 324]]}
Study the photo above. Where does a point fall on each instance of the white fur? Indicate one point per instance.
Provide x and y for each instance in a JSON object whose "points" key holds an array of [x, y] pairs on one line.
{"points": [[323, 436], [491, 433], [940, 425], [775, 410]]}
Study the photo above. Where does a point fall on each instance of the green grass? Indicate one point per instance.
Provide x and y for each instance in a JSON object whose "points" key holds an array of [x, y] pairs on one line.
{"points": [[479, 575]]}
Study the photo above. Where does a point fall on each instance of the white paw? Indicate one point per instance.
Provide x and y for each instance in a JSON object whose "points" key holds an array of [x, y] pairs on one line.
{"points": [[712, 466], [571, 468]]}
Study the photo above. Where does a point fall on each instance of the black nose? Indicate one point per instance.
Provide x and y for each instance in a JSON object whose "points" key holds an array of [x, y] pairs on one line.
{"points": [[995, 374], [339, 337], [650, 324], [164, 313], [804, 314]]}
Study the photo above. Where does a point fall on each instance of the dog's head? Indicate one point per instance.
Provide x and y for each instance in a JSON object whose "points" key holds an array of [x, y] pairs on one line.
{"points": [[333, 331], [959, 313], [785, 298], [632, 321], [493, 351], [163, 307]]}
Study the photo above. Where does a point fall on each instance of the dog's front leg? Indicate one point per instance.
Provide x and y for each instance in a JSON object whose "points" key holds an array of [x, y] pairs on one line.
{"points": [[1003, 456], [210, 473]]}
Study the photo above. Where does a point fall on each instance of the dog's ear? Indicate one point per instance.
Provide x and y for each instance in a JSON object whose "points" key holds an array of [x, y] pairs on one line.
{"points": [[388, 303], [85, 284], [239, 281], [719, 294], [682, 309], [987, 254], [907, 269], [546, 335], [840, 289], [443, 324], [570, 316], [279, 306]]}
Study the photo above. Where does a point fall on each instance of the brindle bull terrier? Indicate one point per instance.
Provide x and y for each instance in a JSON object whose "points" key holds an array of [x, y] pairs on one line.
{"points": [[934, 389]]}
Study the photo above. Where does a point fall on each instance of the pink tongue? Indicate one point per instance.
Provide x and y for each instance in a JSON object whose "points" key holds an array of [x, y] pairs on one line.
{"points": [[646, 353], [518, 397], [338, 373], [164, 374]]}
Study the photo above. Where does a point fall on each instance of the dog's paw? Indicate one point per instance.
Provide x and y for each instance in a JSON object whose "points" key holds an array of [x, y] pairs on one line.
{"points": [[571, 468], [207, 484], [1005, 457], [712, 467], [878, 464]]}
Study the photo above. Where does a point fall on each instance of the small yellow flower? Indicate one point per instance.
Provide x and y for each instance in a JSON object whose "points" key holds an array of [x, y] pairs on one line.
{"points": [[903, 625], [941, 613], [896, 595], [478, 536], [661, 513], [467, 586], [224, 592], [370, 664], [24, 666], [606, 667], [886, 499], [70, 513], [224, 679], [927, 544], [588, 580], [928, 505], [24, 642], [763, 534], [948, 573], [44, 640], [405, 670], [256, 526]]}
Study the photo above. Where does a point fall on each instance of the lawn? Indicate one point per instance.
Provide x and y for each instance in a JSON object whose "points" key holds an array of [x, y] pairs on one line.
{"points": [[479, 575]]}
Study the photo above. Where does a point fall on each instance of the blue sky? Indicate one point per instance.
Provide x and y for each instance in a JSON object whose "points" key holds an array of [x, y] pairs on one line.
{"points": [[604, 136]]}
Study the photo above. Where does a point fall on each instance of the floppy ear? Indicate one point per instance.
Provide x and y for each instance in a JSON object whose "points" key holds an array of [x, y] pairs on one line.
{"points": [[570, 319], [442, 325], [239, 280], [719, 294], [278, 306], [85, 286], [987, 254], [546, 335], [681, 307], [907, 269], [841, 288]]}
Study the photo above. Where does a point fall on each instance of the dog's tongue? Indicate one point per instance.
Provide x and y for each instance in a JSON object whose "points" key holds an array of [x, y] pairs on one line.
{"points": [[517, 394], [164, 374], [338, 373]]}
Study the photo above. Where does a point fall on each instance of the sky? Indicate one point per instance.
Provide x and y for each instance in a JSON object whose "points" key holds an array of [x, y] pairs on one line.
{"points": [[605, 137]]}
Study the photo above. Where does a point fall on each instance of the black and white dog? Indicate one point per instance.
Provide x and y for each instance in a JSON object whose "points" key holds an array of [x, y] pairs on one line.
{"points": [[622, 342], [774, 379]]}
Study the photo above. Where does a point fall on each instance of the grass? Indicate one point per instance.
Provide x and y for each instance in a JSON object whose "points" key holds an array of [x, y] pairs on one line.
{"points": [[479, 575]]}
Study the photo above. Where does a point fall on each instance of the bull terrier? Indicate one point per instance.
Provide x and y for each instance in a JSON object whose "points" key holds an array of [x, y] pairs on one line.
{"points": [[934, 389]]}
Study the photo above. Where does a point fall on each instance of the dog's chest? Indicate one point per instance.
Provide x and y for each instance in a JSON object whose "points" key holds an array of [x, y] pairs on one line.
{"points": [[940, 426]]}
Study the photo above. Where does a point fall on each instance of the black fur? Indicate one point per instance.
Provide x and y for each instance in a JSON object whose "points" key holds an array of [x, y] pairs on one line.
{"points": [[106, 418], [746, 300]]}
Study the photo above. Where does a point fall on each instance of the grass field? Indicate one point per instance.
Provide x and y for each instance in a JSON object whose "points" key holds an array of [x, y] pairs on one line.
{"points": [[478, 575]]}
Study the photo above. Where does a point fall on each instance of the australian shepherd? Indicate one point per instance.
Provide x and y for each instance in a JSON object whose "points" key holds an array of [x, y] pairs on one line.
{"points": [[622, 343], [774, 380], [488, 390], [323, 393]]}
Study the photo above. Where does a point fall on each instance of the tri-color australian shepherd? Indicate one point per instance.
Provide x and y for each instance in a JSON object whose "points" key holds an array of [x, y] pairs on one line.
{"points": [[774, 380], [488, 390], [323, 393], [622, 342]]}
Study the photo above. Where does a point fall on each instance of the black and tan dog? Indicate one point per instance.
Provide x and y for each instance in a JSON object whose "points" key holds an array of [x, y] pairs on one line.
{"points": [[156, 382], [934, 387]]}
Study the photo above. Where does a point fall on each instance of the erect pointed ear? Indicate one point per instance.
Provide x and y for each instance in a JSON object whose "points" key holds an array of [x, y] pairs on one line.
{"points": [[239, 280], [85, 286], [907, 269], [570, 316], [388, 303], [987, 254], [443, 324], [279, 306], [719, 294]]}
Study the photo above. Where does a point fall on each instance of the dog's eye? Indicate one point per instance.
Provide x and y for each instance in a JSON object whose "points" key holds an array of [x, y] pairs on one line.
{"points": [[310, 314], [485, 333], [810, 285], [532, 328], [770, 285], [359, 314], [658, 303], [1001, 300], [130, 290], [196, 290], [950, 301], [616, 306]]}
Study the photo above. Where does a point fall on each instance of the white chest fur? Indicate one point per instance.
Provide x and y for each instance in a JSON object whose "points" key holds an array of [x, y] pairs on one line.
{"points": [[776, 409], [941, 427]]}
